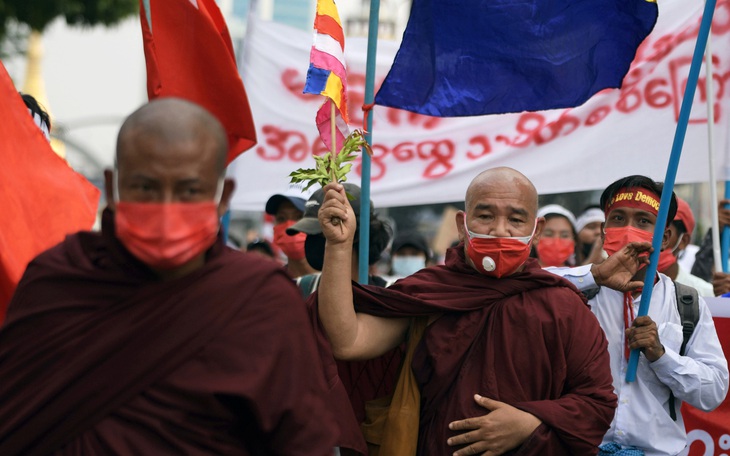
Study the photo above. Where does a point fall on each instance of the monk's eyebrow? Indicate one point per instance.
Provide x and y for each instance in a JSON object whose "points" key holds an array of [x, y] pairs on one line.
{"points": [[513, 209]]}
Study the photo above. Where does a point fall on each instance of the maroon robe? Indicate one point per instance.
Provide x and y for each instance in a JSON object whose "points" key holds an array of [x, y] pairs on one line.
{"points": [[528, 340], [99, 356]]}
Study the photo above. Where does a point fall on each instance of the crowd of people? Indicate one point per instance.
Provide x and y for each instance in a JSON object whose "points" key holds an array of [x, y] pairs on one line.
{"points": [[153, 337]]}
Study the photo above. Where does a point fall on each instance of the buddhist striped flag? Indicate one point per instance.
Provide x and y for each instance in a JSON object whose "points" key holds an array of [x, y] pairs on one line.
{"points": [[327, 73]]}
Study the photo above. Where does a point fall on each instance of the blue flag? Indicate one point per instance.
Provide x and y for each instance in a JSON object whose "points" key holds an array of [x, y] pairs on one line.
{"points": [[476, 57]]}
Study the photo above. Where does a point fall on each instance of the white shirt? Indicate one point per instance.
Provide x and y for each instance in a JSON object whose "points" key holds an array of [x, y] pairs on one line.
{"points": [[703, 287], [700, 378]]}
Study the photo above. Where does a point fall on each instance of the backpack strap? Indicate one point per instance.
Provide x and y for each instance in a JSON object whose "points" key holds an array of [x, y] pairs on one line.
{"points": [[688, 306]]}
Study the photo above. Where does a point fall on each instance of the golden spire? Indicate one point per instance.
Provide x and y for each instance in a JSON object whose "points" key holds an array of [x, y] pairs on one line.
{"points": [[34, 84]]}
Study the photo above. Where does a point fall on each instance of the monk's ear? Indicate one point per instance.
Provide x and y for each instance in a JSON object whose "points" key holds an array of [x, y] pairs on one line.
{"points": [[603, 233], [667, 234], [460, 219], [109, 188], [228, 186], [539, 226]]}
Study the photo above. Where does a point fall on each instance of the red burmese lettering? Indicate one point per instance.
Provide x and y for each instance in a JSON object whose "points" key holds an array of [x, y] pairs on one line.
{"points": [[655, 94], [442, 152], [721, 18], [276, 150], [629, 100], [404, 151], [278, 145], [483, 147], [377, 164], [293, 81], [597, 115]]}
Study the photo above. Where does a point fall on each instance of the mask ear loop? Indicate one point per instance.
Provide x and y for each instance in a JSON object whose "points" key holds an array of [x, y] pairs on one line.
{"points": [[219, 190], [115, 184]]}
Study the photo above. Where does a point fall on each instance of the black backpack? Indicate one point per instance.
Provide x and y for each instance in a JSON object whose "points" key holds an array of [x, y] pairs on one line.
{"points": [[688, 305]]}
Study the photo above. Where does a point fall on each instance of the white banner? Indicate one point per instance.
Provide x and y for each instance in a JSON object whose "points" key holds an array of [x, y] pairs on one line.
{"points": [[420, 160]]}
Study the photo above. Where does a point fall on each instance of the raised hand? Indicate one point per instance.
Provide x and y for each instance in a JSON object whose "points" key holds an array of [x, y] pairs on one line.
{"points": [[618, 270], [336, 217]]}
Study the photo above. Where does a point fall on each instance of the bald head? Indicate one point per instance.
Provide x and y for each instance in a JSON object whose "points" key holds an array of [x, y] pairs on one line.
{"points": [[502, 181], [171, 122]]}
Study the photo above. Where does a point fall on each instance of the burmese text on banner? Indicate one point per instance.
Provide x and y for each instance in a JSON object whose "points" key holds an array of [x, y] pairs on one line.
{"points": [[419, 159]]}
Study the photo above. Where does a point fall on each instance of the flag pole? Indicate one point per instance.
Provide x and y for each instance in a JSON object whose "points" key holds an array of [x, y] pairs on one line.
{"points": [[679, 134], [369, 96], [711, 151], [333, 154]]}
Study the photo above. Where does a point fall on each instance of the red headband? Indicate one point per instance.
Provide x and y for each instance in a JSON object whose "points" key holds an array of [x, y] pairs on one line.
{"points": [[639, 198]]}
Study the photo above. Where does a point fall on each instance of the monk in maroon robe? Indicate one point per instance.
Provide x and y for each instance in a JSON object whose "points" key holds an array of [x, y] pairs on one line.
{"points": [[512, 362], [152, 337]]}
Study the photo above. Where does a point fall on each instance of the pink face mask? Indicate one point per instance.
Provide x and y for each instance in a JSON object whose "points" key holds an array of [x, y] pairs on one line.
{"points": [[553, 251], [616, 238], [166, 236], [292, 246], [667, 258], [497, 256]]}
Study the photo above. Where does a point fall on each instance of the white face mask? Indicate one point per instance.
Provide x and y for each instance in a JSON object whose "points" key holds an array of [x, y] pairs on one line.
{"points": [[404, 266], [523, 239]]}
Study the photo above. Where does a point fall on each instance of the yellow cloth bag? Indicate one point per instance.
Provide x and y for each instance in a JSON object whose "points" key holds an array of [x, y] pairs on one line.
{"points": [[391, 422]]}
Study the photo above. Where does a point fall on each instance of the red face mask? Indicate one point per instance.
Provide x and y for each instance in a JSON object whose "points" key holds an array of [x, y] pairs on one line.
{"points": [[667, 258], [616, 238], [553, 251], [292, 246], [497, 256], [166, 235]]}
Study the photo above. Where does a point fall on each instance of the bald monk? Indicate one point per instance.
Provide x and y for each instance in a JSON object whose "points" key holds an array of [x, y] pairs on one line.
{"points": [[152, 337], [512, 362]]}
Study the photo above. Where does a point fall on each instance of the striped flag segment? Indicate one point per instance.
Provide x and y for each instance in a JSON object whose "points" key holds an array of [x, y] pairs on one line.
{"points": [[327, 75]]}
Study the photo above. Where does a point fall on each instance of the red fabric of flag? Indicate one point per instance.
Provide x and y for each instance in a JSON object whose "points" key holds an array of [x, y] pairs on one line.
{"points": [[189, 55], [41, 197]]}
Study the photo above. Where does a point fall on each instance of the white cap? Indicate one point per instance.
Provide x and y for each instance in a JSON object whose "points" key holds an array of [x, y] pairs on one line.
{"points": [[559, 210], [591, 215]]}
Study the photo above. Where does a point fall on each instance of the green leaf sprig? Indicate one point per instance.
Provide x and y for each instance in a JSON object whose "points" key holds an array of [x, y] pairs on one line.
{"points": [[326, 169]]}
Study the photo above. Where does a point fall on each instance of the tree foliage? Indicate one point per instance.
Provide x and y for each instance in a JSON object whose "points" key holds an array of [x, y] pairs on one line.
{"points": [[37, 14]]}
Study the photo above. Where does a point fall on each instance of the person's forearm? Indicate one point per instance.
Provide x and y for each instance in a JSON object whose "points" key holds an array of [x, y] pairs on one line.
{"points": [[336, 309]]}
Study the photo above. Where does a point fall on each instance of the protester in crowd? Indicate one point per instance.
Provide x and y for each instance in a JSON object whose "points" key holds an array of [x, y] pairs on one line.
{"points": [[556, 245], [483, 385], [287, 209], [409, 254], [648, 419], [152, 337], [589, 247], [308, 226], [679, 234], [703, 266]]}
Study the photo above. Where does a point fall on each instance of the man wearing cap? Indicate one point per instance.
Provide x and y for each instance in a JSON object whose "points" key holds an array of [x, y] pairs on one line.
{"points": [[151, 337], [409, 254], [589, 248], [512, 358], [309, 228], [680, 233], [648, 419], [287, 208]]}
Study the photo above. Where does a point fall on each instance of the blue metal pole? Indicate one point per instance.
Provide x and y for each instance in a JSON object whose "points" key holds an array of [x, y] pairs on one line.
{"points": [[679, 134], [369, 96], [225, 224]]}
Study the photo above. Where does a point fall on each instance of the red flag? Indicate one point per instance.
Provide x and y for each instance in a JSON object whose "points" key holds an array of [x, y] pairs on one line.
{"points": [[189, 55], [41, 197]]}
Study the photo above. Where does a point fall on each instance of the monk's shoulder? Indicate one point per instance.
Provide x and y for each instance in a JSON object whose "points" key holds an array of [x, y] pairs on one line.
{"points": [[560, 299]]}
